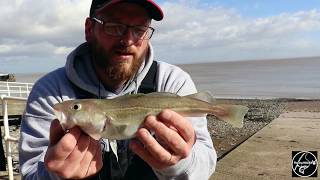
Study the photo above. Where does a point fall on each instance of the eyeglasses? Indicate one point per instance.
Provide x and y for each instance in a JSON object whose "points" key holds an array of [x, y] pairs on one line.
{"points": [[118, 30]]}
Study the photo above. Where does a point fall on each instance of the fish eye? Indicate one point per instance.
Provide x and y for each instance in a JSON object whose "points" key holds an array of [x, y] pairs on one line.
{"points": [[76, 107]]}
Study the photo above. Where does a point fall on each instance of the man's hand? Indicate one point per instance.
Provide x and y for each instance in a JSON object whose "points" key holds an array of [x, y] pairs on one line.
{"points": [[72, 155], [175, 137]]}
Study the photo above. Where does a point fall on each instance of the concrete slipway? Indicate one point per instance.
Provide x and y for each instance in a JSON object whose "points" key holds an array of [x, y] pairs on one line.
{"points": [[268, 153]]}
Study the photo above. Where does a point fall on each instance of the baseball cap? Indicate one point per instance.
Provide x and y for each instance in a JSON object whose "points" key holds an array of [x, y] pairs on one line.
{"points": [[151, 7]]}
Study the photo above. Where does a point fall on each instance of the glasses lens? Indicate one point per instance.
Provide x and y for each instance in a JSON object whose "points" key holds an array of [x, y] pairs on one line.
{"points": [[114, 29], [147, 34], [138, 32]]}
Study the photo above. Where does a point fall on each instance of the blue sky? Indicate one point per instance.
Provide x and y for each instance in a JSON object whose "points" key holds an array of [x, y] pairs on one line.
{"points": [[264, 8], [38, 37], [260, 8]]}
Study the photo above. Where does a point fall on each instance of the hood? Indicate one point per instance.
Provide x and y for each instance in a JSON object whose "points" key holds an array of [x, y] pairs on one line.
{"points": [[80, 71]]}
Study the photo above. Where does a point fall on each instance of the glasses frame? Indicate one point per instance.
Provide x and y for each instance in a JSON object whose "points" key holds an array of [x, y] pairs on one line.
{"points": [[149, 28]]}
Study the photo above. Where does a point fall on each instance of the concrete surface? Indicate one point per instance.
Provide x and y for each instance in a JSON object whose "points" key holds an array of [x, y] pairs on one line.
{"points": [[267, 154]]}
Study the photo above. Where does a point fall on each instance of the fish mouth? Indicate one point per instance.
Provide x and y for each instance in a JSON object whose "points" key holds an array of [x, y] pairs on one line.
{"points": [[60, 116]]}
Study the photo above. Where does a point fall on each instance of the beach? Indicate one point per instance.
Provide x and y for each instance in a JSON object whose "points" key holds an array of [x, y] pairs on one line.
{"points": [[268, 88]]}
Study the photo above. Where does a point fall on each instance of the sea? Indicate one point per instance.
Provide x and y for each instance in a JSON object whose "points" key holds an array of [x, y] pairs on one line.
{"points": [[297, 78]]}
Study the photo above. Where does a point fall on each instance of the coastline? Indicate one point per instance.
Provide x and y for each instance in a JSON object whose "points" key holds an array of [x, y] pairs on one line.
{"points": [[261, 113], [294, 78], [28, 77]]}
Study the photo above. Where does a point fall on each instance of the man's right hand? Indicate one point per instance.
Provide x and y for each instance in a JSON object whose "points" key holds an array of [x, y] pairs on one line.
{"points": [[72, 155]]}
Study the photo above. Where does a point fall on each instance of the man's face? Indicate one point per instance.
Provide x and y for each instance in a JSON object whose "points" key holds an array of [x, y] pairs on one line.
{"points": [[119, 56]]}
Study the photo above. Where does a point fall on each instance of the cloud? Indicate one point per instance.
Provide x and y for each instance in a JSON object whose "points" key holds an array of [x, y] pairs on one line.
{"points": [[40, 31], [42, 21], [190, 34], [46, 31], [41, 26]]}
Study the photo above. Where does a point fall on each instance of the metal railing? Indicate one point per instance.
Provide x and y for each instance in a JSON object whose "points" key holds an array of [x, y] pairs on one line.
{"points": [[7, 137], [15, 89]]}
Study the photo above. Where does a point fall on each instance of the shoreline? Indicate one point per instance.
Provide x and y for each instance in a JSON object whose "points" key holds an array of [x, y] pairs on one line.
{"points": [[261, 113]]}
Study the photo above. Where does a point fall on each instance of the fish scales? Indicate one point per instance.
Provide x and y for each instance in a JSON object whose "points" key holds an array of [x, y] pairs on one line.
{"points": [[157, 104], [119, 118]]}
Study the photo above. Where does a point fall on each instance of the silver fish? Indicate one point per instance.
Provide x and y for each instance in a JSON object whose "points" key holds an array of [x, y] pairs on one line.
{"points": [[120, 118]]}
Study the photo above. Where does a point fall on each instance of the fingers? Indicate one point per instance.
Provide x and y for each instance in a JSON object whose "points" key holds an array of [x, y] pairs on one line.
{"points": [[183, 126], [96, 162], [151, 144], [58, 153], [67, 144], [172, 140], [81, 147], [175, 137], [74, 155], [155, 158], [73, 162], [88, 160], [56, 132]]}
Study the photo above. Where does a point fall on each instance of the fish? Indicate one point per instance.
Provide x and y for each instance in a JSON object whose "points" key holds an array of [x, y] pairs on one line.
{"points": [[121, 117]]}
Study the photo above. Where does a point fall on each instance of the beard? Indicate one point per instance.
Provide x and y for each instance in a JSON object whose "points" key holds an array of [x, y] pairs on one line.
{"points": [[121, 71]]}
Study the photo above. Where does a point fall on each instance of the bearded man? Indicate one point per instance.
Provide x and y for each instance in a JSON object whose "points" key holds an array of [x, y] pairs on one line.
{"points": [[115, 59]]}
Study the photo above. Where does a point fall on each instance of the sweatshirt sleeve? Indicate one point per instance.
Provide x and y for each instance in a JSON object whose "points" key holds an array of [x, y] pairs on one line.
{"points": [[34, 133], [201, 162]]}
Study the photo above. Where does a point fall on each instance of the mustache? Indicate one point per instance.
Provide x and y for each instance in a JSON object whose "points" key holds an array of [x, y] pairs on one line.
{"points": [[125, 50]]}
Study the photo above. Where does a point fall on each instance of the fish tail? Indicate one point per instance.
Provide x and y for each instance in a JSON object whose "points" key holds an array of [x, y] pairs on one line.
{"points": [[234, 114]]}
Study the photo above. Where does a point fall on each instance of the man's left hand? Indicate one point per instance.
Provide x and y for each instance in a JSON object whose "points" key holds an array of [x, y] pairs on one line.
{"points": [[173, 141]]}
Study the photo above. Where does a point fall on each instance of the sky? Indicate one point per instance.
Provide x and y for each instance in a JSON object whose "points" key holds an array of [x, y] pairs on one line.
{"points": [[37, 37]]}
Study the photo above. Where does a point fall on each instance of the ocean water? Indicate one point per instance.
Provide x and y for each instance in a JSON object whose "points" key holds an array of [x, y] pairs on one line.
{"points": [[286, 78]]}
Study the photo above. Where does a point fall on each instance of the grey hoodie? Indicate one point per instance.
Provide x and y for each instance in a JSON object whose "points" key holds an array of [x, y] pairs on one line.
{"points": [[56, 87]]}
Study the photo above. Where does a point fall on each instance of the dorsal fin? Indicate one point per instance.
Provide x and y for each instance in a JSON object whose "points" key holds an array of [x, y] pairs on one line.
{"points": [[203, 96], [154, 94], [162, 94]]}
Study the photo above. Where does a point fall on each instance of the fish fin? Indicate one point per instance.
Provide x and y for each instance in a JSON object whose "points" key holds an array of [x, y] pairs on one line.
{"points": [[157, 94], [162, 94], [130, 130], [114, 148], [91, 132], [96, 136], [130, 95], [203, 96], [235, 114]]}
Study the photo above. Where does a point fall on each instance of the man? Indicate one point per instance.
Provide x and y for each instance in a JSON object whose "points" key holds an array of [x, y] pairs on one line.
{"points": [[114, 61]]}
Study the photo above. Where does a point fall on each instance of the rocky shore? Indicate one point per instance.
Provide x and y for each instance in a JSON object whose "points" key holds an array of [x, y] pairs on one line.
{"points": [[225, 137], [261, 113]]}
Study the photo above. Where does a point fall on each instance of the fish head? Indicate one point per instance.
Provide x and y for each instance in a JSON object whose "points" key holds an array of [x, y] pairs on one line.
{"points": [[76, 112]]}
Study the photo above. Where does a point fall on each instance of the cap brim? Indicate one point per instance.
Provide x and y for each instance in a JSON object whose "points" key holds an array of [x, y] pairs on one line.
{"points": [[154, 11]]}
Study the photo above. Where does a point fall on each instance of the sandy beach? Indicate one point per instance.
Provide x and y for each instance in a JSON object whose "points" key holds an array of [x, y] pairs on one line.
{"points": [[226, 138]]}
